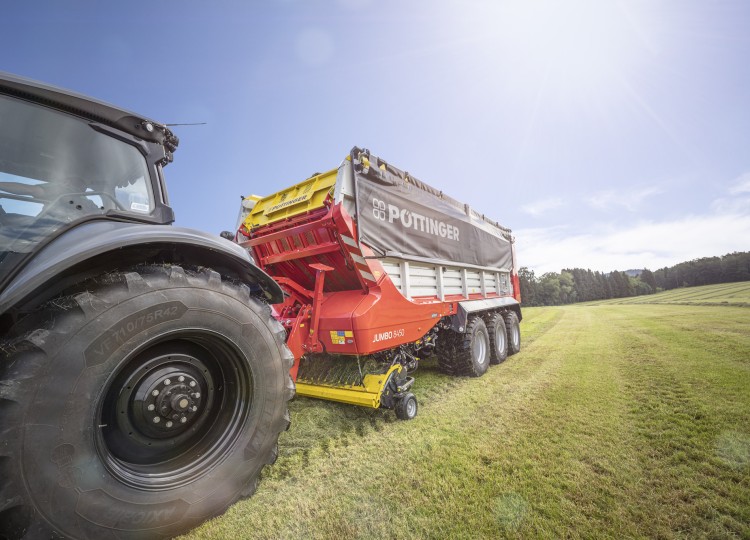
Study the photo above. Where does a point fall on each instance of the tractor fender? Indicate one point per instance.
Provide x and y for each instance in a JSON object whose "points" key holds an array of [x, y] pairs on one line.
{"points": [[102, 246]]}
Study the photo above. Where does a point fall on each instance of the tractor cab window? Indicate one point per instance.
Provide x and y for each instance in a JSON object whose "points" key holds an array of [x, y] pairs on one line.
{"points": [[56, 169], [135, 196]]}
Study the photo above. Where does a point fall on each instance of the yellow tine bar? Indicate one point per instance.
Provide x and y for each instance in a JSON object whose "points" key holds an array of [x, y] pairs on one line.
{"points": [[367, 395], [342, 395]]}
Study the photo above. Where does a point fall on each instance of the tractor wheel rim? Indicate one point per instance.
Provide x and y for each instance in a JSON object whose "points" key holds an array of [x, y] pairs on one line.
{"points": [[173, 411]]}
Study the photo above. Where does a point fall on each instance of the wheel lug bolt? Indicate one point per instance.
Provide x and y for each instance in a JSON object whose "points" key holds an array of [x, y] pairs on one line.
{"points": [[181, 378], [183, 419], [167, 382], [156, 419], [197, 395], [155, 393], [194, 408], [151, 407], [169, 424], [192, 383]]}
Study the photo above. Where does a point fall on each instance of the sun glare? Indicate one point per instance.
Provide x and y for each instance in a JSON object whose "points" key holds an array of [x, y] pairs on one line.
{"points": [[580, 47], [576, 40]]}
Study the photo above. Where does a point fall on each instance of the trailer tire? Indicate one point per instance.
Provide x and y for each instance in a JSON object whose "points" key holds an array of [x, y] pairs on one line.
{"points": [[514, 332], [498, 338], [84, 380], [406, 406], [467, 353]]}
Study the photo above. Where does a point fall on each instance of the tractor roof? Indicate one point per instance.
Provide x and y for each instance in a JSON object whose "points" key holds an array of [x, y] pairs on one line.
{"points": [[90, 108]]}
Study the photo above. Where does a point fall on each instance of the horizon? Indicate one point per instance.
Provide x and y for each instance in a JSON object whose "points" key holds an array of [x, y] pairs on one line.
{"points": [[607, 136], [639, 270]]}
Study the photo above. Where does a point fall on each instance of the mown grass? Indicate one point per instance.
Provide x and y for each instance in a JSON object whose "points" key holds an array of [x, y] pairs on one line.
{"points": [[725, 294], [614, 421]]}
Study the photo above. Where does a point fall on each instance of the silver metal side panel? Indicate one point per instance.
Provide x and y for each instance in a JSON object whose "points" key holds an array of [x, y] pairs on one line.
{"points": [[427, 279]]}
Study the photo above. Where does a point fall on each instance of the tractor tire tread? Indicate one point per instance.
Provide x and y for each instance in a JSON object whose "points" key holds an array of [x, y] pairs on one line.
{"points": [[26, 352]]}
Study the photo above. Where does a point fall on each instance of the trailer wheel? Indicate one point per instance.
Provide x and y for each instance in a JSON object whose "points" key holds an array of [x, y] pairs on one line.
{"points": [[139, 407], [406, 407], [514, 332], [498, 338], [467, 353]]}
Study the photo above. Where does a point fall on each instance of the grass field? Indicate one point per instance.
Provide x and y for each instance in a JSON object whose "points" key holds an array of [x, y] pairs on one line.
{"points": [[725, 294], [614, 421]]}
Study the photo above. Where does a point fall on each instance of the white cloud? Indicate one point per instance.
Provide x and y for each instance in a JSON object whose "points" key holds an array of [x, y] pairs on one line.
{"points": [[631, 200], [739, 202], [648, 244], [537, 208], [733, 205], [741, 185]]}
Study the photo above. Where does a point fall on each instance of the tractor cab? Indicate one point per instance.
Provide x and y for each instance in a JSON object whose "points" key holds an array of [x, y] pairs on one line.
{"points": [[63, 166]]}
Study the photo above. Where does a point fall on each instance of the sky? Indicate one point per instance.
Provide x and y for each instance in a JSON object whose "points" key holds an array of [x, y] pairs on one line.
{"points": [[608, 135]]}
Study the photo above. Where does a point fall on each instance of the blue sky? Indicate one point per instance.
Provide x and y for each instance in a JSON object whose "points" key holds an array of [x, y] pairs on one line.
{"points": [[607, 135]]}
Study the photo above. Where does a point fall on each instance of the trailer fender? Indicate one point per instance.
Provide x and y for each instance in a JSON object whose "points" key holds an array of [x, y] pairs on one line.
{"points": [[459, 320], [102, 246]]}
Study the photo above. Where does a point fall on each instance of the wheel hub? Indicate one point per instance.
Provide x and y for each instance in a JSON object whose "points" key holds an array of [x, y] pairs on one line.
{"points": [[162, 403], [173, 400], [168, 400]]}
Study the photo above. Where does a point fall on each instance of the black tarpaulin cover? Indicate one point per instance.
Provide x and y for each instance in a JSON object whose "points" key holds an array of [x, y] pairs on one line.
{"points": [[402, 216]]}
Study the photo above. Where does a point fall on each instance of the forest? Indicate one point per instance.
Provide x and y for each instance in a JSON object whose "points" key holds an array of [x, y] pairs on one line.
{"points": [[583, 285]]}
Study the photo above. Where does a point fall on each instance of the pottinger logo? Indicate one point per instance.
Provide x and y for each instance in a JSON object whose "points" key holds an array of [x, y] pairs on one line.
{"points": [[378, 209], [412, 220]]}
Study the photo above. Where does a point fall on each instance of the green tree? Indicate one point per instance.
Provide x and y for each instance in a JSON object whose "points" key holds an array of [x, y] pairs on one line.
{"points": [[549, 285], [647, 277], [529, 286], [567, 288]]}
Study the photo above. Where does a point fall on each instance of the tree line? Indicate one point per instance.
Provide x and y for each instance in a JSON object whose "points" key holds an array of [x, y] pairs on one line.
{"points": [[583, 285]]}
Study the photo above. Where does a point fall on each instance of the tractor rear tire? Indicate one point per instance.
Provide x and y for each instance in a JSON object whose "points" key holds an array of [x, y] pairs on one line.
{"points": [[467, 353], [498, 338], [514, 332], [138, 407]]}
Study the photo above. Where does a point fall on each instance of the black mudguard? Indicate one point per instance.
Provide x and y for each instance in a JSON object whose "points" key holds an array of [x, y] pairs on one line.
{"points": [[102, 246]]}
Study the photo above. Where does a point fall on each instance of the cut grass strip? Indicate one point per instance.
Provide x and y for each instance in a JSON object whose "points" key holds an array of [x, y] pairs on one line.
{"points": [[725, 294]]}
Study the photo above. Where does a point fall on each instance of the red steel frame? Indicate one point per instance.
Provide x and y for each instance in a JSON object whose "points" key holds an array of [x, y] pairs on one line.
{"points": [[340, 300]]}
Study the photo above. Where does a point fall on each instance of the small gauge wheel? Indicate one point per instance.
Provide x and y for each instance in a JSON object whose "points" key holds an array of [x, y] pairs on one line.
{"points": [[406, 407]]}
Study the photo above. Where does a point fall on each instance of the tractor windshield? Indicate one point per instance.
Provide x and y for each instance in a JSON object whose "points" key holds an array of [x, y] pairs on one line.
{"points": [[57, 169]]}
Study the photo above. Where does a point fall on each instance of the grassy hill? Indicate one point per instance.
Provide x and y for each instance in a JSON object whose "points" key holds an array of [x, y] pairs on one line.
{"points": [[613, 421], [725, 294]]}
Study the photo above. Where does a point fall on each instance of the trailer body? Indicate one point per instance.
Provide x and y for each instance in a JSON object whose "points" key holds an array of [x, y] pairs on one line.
{"points": [[376, 263]]}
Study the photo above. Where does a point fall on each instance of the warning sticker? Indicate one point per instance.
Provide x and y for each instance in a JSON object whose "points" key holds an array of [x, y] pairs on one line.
{"points": [[338, 337]]}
